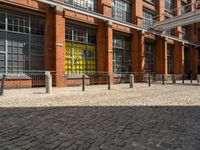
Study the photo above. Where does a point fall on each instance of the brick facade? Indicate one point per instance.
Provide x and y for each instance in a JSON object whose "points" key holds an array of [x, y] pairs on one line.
{"points": [[57, 18]]}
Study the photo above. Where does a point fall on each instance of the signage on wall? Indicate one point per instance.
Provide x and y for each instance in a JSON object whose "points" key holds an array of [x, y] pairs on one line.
{"points": [[88, 54]]}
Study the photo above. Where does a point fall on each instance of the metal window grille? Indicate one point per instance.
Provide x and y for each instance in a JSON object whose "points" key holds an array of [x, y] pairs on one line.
{"points": [[149, 57], [21, 42], [170, 58], [90, 5], [148, 18], [121, 54], [121, 10], [169, 5], [80, 54]]}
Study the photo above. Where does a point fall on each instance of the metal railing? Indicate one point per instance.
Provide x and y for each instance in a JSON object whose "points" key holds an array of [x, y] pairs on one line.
{"points": [[32, 79]]}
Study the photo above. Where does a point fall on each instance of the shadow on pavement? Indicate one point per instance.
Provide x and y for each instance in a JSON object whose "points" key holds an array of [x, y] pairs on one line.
{"points": [[84, 128]]}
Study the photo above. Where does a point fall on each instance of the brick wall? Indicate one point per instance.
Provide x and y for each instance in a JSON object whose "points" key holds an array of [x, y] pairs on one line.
{"points": [[55, 37]]}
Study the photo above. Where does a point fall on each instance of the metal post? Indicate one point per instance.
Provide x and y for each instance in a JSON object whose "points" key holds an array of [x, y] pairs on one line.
{"points": [[2, 85], [83, 83], [131, 78], [149, 78], [163, 79], [174, 79], [109, 82], [191, 78], [183, 79], [198, 78], [48, 82]]}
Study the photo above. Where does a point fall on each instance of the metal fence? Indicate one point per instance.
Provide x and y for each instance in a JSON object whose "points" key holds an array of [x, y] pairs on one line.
{"points": [[31, 79]]}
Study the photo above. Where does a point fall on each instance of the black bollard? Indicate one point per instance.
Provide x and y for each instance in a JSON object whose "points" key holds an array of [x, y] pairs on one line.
{"points": [[83, 83], [198, 78], [191, 78], [2, 85], [163, 80], [183, 79], [149, 77], [131, 79], [109, 82]]}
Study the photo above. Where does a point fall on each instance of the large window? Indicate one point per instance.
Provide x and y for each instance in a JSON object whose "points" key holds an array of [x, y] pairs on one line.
{"points": [[149, 57], [121, 54], [80, 50], [170, 58], [90, 5], [148, 17], [21, 42], [169, 5], [121, 10]]}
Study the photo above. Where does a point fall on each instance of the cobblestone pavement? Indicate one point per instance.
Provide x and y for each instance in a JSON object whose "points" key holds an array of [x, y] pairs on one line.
{"points": [[106, 127]]}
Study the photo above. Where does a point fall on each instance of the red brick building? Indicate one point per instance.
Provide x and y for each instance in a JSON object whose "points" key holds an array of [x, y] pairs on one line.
{"points": [[39, 36]]}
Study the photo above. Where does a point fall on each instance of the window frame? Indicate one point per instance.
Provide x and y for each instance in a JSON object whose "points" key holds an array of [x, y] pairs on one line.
{"points": [[89, 33], [83, 4], [170, 58], [123, 13], [148, 16], [20, 20], [121, 44]]}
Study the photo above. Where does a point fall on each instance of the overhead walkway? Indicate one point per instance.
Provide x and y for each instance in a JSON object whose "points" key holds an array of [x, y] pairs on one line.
{"points": [[110, 19], [182, 20]]}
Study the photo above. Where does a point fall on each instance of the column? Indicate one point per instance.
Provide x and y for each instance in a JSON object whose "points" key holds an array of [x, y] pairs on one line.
{"points": [[160, 9], [104, 7], [49, 42], [137, 12], [179, 58], [59, 46], [161, 55], [178, 30], [109, 48], [137, 52]]}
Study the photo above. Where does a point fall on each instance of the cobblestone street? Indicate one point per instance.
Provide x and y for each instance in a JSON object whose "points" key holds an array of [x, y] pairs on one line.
{"points": [[142, 118]]}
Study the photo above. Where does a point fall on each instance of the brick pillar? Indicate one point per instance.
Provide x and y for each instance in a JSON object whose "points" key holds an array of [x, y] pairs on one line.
{"points": [[106, 32], [49, 42], [137, 12], [101, 42], [109, 48], [178, 30], [141, 51], [161, 55], [106, 7], [160, 9], [104, 35], [179, 58], [137, 52], [59, 46]]}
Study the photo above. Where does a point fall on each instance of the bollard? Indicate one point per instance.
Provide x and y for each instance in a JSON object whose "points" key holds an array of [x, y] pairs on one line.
{"points": [[48, 82], [163, 79], [198, 78], [109, 82], [83, 83], [131, 78], [2, 85], [149, 78], [183, 79], [191, 78], [173, 79]]}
